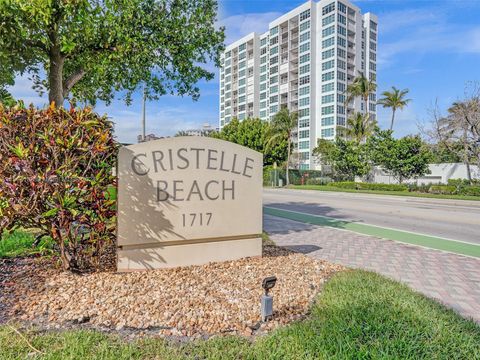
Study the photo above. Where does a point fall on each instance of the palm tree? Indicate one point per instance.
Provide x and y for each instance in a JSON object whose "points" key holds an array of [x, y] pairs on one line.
{"points": [[394, 99], [283, 124], [360, 87], [359, 127]]}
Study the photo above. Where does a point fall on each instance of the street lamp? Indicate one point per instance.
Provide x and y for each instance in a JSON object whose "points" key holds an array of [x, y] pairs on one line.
{"points": [[267, 300]]}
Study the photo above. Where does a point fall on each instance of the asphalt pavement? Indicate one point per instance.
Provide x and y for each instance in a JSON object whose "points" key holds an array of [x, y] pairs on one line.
{"points": [[451, 219]]}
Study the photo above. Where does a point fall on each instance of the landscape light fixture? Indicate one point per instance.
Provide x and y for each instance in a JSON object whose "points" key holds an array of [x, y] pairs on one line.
{"points": [[267, 300]]}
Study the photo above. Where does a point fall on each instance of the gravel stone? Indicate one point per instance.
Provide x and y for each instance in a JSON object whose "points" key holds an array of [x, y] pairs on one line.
{"points": [[193, 301]]}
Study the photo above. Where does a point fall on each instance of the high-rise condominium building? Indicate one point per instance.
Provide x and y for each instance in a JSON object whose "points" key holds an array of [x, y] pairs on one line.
{"points": [[304, 61]]}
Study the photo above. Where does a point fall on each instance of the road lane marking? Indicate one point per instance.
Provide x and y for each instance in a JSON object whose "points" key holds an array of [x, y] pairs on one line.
{"points": [[408, 237]]}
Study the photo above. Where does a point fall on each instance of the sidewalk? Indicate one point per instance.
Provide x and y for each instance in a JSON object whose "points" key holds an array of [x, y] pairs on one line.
{"points": [[453, 280]]}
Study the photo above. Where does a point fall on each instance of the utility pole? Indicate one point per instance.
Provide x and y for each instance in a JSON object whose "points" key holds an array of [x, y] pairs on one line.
{"points": [[144, 135]]}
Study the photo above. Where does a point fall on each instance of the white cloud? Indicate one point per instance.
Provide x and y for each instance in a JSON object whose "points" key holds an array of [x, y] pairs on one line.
{"points": [[237, 26]]}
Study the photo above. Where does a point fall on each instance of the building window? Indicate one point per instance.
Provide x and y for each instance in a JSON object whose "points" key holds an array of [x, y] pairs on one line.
{"points": [[263, 60], [340, 109], [341, 98], [304, 58], [263, 95], [305, 25], [328, 87], [342, 19], [305, 155], [328, 9], [373, 46], [242, 64], [302, 123], [328, 76], [241, 82], [273, 90], [327, 132], [303, 112], [274, 40], [373, 66], [241, 99], [328, 42], [304, 90], [327, 110], [263, 41], [328, 121], [373, 25], [273, 69], [328, 20], [304, 101], [304, 80], [263, 87], [328, 54], [341, 75], [304, 36], [273, 60], [241, 90], [305, 15], [373, 36], [342, 31], [274, 50], [328, 31], [342, 8], [328, 99], [342, 42], [242, 47], [273, 99], [341, 121], [304, 69], [304, 47], [273, 109], [341, 64], [274, 31], [328, 65], [341, 87], [274, 80], [305, 144], [303, 134]]}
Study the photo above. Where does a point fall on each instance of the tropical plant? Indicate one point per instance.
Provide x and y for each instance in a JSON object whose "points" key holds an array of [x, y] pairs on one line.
{"points": [[6, 99], [283, 124], [394, 99], [94, 48], [182, 133], [359, 127], [56, 170], [404, 158], [253, 133], [361, 87], [347, 158]]}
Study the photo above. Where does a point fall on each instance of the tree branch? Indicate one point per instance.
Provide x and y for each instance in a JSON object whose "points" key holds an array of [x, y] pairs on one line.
{"points": [[72, 80]]}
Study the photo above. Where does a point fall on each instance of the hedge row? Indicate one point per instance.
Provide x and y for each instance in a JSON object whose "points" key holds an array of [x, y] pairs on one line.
{"points": [[369, 186]]}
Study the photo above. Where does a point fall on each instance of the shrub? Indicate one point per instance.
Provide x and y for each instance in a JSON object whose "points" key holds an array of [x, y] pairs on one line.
{"points": [[319, 181], [422, 188], [56, 170], [469, 190], [443, 189], [370, 186]]}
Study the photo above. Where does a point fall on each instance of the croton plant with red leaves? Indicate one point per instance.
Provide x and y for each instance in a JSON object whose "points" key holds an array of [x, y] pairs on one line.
{"points": [[56, 176]]}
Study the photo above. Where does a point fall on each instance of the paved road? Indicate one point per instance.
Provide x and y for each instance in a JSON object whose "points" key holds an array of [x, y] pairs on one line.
{"points": [[450, 278], [453, 219]]}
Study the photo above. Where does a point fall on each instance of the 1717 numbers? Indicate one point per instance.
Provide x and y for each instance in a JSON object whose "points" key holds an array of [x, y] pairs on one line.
{"points": [[197, 219]]}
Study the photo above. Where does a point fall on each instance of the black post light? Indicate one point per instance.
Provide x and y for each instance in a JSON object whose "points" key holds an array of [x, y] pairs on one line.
{"points": [[267, 300]]}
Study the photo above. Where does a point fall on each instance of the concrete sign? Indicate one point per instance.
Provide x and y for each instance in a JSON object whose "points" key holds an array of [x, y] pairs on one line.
{"points": [[187, 200]]}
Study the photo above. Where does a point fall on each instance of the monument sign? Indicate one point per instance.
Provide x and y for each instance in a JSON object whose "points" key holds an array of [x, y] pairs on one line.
{"points": [[187, 200]]}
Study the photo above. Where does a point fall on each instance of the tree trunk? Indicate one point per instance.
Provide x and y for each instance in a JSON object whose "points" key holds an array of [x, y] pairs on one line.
{"points": [[465, 156], [393, 118], [55, 78], [287, 180]]}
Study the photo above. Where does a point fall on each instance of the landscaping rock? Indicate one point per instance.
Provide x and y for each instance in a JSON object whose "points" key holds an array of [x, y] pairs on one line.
{"points": [[193, 301]]}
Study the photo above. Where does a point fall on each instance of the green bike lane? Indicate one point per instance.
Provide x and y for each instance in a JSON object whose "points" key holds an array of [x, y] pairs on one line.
{"points": [[427, 241]]}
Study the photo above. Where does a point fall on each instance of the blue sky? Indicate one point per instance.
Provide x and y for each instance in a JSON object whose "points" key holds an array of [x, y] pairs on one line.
{"points": [[430, 47]]}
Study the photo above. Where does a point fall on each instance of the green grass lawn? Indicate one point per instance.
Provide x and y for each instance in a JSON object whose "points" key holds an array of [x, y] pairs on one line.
{"points": [[359, 315], [381, 192], [19, 243]]}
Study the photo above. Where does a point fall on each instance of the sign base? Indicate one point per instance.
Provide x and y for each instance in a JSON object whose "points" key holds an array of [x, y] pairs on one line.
{"points": [[168, 256]]}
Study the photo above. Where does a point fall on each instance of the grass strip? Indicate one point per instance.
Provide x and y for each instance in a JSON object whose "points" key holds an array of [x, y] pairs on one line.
{"points": [[384, 192], [358, 315]]}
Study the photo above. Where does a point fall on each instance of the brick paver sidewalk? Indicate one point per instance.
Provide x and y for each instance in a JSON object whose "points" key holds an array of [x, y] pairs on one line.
{"points": [[449, 278]]}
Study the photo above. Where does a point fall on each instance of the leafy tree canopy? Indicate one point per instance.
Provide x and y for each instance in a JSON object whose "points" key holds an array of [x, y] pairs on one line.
{"points": [[253, 133], [404, 158], [348, 158], [90, 49]]}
